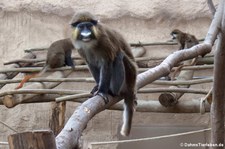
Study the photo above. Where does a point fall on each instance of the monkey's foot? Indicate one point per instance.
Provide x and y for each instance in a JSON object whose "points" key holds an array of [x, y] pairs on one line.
{"points": [[104, 96]]}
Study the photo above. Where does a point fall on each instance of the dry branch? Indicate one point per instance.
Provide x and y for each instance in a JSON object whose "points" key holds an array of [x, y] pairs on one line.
{"points": [[89, 79], [183, 82], [13, 100], [24, 61], [211, 7], [10, 75], [35, 69], [169, 99], [177, 90], [145, 90], [40, 91]]}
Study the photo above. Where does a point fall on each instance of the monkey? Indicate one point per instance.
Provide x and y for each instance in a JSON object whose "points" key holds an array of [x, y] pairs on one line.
{"points": [[184, 40], [58, 55], [110, 62]]}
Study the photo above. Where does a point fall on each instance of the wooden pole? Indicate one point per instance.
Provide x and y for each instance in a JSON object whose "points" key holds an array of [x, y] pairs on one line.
{"points": [[217, 108], [57, 119], [13, 100], [169, 99], [32, 140], [10, 75]]}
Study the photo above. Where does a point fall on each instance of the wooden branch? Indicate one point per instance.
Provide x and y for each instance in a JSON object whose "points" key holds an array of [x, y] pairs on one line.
{"points": [[4, 143], [217, 108], [138, 52], [165, 67], [35, 69], [72, 97], [35, 49], [10, 75], [211, 7], [184, 106], [24, 61], [34, 140], [13, 100], [183, 82], [145, 90], [141, 44], [170, 99], [177, 90], [40, 91], [88, 79]]}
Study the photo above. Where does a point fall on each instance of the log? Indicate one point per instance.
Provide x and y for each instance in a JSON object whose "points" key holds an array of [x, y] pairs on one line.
{"points": [[32, 140], [10, 75], [184, 106], [57, 119], [13, 100], [169, 99]]}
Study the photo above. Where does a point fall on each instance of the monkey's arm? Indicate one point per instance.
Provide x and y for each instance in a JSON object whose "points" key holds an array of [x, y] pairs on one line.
{"points": [[104, 80], [95, 73]]}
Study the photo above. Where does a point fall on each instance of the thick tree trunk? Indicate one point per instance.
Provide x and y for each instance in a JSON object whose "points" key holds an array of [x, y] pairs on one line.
{"points": [[217, 108], [57, 119], [32, 140]]}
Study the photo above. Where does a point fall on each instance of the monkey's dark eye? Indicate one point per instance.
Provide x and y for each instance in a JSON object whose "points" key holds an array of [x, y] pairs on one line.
{"points": [[84, 24], [94, 22], [75, 24]]}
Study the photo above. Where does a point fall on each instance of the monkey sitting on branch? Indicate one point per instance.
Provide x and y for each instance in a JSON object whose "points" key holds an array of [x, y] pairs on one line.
{"points": [[58, 55], [185, 41], [110, 61]]}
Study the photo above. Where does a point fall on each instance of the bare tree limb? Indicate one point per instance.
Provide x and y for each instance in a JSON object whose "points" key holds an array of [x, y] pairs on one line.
{"points": [[13, 100], [217, 108], [35, 69], [10, 75], [183, 82], [211, 7], [88, 79]]}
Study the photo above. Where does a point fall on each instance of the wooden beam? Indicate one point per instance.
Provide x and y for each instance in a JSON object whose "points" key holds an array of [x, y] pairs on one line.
{"points": [[32, 140]]}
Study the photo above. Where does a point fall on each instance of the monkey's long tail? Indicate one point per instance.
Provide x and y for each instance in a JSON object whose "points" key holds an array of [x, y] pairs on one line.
{"points": [[130, 96], [28, 77]]}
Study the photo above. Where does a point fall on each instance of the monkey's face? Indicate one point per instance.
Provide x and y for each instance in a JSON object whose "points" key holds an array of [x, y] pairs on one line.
{"points": [[84, 31], [174, 35]]}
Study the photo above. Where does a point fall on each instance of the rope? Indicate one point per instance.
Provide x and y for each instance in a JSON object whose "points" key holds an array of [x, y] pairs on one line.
{"points": [[151, 138]]}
